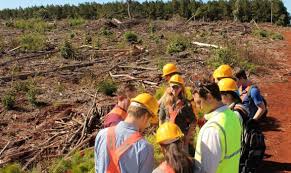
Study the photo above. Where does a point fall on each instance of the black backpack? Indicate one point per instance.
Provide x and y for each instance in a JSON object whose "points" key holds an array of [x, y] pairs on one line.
{"points": [[253, 147]]}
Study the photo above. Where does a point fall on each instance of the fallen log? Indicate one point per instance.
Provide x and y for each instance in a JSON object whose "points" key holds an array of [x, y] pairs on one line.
{"points": [[205, 45], [27, 57]]}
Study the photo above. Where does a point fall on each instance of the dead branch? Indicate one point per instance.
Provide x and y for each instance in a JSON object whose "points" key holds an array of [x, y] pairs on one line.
{"points": [[41, 73], [4, 147], [140, 68], [14, 49], [32, 159]]}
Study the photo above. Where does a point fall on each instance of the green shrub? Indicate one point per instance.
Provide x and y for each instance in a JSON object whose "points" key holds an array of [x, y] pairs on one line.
{"points": [[105, 31], [67, 50], [178, 43], [11, 168], [21, 86], [88, 39], [32, 94], [8, 100], [261, 33], [33, 42], [277, 36], [232, 56], [130, 37], [107, 87], [76, 21]]}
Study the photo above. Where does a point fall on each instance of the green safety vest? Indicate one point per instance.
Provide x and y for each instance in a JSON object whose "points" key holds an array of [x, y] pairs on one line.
{"points": [[229, 129]]}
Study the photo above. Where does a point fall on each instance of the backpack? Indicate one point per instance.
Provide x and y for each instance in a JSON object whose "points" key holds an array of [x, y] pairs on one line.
{"points": [[253, 147], [248, 91]]}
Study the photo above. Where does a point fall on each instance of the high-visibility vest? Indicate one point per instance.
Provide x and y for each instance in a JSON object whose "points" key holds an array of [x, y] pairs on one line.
{"points": [[114, 152], [229, 129], [166, 168], [118, 113]]}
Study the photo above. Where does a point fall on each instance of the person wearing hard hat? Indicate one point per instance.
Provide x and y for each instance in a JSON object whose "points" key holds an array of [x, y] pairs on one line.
{"points": [[122, 148], [177, 109], [251, 97], [228, 90], [219, 140], [223, 71], [119, 112], [170, 138]]}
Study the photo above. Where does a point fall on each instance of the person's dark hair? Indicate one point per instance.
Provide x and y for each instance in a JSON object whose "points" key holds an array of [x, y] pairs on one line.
{"points": [[205, 86], [233, 94], [125, 88], [241, 74], [177, 158]]}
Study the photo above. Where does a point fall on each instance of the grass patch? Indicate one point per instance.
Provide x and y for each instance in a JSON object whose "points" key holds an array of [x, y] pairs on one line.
{"points": [[32, 42], [105, 31], [80, 162], [178, 43], [37, 25], [76, 21], [11, 168], [107, 87]]}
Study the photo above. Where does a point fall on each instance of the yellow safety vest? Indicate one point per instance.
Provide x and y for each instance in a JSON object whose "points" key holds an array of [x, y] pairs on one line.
{"points": [[229, 129]]}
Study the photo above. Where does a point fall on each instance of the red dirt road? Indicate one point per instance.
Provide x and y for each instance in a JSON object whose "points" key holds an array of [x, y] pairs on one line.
{"points": [[278, 129]]}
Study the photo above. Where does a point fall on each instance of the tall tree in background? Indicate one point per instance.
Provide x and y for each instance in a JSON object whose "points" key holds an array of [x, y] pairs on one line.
{"points": [[128, 8]]}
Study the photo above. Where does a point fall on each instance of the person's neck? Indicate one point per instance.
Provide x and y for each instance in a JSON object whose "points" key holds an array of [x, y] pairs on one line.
{"points": [[216, 105], [133, 121]]}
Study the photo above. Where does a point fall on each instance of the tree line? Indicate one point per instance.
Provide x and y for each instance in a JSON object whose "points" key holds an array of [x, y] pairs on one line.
{"points": [[238, 10]]}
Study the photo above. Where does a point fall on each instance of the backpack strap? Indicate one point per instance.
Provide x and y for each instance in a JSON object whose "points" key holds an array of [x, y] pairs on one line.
{"points": [[242, 111], [116, 153]]}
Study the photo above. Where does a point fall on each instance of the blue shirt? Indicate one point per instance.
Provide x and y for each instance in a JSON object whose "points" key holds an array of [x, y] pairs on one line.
{"points": [[139, 158], [252, 102]]}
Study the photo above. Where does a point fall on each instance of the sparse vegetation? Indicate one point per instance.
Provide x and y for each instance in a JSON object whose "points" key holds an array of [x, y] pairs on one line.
{"points": [[76, 21], [67, 50], [8, 100], [33, 42], [88, 39], [32, 94], [262, 33], [11, 168], [107, 87], [80, 162], [177, 44], [36, 25], [130, 37], [232, 56], [105, 31]]}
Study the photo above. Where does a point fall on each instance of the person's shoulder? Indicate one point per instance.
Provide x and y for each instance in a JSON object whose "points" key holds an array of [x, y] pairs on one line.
{"points": [[102, 133], [254, 90], [143, 144]]}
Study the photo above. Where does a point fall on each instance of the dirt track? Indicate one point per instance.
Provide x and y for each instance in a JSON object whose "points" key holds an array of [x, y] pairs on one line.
{"points": [[277, 131]]}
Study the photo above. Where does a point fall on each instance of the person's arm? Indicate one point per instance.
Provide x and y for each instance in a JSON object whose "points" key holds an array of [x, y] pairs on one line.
{"points": [[162, 114], [210, 150], [146, 163], [258, 100]]}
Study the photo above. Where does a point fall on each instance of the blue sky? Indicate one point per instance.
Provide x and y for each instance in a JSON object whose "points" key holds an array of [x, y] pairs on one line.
{"points": [[28, 3]]}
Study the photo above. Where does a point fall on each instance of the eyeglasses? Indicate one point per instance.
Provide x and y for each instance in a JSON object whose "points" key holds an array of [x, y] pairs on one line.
{"points": [[175, 87]]}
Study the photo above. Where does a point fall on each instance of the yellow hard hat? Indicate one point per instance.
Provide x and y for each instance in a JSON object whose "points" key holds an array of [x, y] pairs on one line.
{"points": [[177, 79], [169, 69], [223, 71], [150, 103], [227, 84], [168, 132]]}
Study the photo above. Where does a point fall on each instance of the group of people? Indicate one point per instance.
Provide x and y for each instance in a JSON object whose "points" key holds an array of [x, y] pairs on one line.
{"points": [[227, 102]]}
